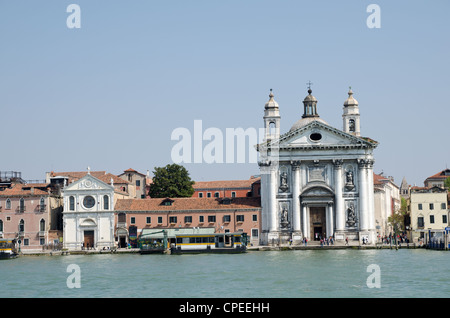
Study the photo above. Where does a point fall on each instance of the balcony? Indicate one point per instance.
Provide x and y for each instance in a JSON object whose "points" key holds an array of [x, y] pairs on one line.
{"points": [[41, 208], [41, 233], [21, 209]]}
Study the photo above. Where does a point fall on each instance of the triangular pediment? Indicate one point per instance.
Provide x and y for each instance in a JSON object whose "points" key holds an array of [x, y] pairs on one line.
{"points": [[88, 183], [316, 135]]}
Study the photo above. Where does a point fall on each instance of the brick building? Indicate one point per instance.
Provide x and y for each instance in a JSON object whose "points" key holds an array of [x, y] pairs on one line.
{"points": [[222, 214], [228, 188]]}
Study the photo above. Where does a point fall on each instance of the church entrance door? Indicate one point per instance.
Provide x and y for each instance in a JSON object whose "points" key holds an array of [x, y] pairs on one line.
{"points": [[317, 222], [88, 239]]}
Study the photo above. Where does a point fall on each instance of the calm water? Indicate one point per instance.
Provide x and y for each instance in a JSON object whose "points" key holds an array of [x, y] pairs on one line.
{"points": [[274, 274]]}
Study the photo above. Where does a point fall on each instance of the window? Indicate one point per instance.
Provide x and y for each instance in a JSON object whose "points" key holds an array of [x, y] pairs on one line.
{"points": [[201, 219], [148, 219], [172, 219], [42, 205], [105, 202], [22, 205], [26, 242], [211, 218], [216, 195], [255, 232], [22, 226], [72, 203], [420, 206], [122, 218], [239, 218], [42, 225], [1, 226], [226, 218], [188, 219], [431, 206], [255, 217], [443, 207], [420, 222], [208, 194], [8, 204], [200, 194], [132, 220], [159, 219], [42, 241], [233, 194], [431, 219], [138, 183], [351, 125], [444, 218]]}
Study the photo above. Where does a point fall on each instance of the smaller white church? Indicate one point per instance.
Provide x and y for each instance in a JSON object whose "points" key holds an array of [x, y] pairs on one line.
{"points": [[88, 215]]}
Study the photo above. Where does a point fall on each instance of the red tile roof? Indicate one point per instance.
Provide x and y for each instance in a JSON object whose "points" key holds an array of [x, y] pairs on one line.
{"points": [[179, 204], [19, 189]]}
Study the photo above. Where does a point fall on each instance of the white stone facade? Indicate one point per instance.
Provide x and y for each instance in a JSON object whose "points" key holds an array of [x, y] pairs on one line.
{"points": [[316, 181], [88, 214]]}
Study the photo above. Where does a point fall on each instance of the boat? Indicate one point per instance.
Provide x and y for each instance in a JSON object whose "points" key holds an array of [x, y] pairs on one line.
{"points": [[7, 249], [152, 243], [210, 243]]}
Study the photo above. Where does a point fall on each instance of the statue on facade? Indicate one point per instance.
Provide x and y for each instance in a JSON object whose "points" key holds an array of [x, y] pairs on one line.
{"points": [[351, 216], [283, 182], [284, 218], [349, 184]]}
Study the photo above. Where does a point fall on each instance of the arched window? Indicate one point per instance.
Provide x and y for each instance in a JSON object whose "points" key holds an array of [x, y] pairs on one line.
{"points": [[272, 129], [1, 226], [105, 202], [22, 226], [71, 203], [8, 204], [42, 225], [351, 125]]}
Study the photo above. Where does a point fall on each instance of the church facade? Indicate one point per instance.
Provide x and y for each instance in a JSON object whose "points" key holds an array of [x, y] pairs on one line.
{"points": [[316, 180], [88, 215]]}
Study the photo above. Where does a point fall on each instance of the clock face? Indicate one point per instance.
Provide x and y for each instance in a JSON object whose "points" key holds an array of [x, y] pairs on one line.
{"points": [[88, 202]]}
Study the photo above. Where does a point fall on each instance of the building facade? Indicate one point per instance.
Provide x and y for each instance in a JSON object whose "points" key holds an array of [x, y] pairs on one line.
{"points": [[29, 214], [227, 188], [220, 214], [316, 180], [88, 214], [387, 201], [429, 211]]}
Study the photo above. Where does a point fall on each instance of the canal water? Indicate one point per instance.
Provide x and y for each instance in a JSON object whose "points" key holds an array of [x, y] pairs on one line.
{"points": [[405, 273]]}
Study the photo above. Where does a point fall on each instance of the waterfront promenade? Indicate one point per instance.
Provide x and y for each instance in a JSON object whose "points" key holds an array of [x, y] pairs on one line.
{"points": [[314, 245]]}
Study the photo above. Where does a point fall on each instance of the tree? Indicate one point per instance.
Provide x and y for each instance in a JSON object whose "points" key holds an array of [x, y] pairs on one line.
{"points": [[171, 181], [447, 183]]}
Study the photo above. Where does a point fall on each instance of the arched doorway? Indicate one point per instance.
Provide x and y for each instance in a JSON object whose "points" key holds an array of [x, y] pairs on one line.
{"points": [[317, 201]]}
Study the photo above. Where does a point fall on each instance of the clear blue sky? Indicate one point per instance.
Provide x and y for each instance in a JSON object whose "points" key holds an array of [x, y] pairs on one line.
{"points": [[109, 95]]}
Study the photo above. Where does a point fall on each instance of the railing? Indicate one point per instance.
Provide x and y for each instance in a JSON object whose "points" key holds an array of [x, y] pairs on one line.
{"points": [[41, 233]]}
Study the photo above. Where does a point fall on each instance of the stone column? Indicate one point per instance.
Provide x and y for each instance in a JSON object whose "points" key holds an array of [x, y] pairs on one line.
{"points": [[273, 209], [296, 196], [363, 196], [339, 203], [330, 220], [305, 221]]}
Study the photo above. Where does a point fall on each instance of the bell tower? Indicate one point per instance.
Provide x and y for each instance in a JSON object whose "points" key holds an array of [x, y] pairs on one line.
{"points": [[271, 119], [351, 115]]}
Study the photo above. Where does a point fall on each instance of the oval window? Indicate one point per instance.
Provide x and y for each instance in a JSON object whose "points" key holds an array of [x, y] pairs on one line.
{"points": [[315, 137]]}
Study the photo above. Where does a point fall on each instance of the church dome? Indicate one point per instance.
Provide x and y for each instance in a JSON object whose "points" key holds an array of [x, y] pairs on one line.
{"points": [[310, 112], [305, 121]]}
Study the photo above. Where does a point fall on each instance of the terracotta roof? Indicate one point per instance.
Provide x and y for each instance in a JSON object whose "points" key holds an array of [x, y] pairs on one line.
{"points": [[101, 175], [444, 174], [18, 190], [225, 184], [156, 204]]}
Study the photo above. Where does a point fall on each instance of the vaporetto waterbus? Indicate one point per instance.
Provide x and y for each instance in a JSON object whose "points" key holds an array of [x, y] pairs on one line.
{"points": [[210, 243], [7, 249]]}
